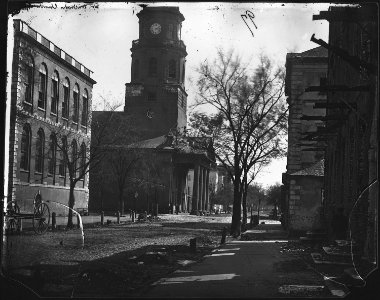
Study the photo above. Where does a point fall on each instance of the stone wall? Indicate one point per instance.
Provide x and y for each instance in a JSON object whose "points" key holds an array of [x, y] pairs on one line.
{"points": [[305, 203]]}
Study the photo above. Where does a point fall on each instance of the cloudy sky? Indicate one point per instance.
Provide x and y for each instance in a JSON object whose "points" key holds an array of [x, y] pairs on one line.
{"points": [[100, 37]]}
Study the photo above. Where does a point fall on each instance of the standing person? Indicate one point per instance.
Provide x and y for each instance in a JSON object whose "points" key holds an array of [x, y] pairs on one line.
{"points": [[339, 224]]}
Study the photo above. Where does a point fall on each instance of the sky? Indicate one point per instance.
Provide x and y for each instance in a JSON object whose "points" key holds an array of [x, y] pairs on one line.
{"points": [[100, 37]]}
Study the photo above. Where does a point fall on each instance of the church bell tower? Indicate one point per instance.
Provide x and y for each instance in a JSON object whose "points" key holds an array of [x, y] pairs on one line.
{"points": [[156, 96]]}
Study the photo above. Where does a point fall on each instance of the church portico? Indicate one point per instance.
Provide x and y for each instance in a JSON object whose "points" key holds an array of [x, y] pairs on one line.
{"points": [[201, 164]]}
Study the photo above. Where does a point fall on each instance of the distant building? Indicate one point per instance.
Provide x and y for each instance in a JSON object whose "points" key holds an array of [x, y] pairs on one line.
{"points": [[50, 90], [156, 102], [351, 161], [303, 181]]}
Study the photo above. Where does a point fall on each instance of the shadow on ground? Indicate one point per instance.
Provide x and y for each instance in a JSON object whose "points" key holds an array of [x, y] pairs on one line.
{"points": [[122, 274]]}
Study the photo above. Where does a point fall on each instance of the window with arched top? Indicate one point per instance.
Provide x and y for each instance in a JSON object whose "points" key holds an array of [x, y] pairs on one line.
{"points": [[85, 107], [152, 66], [74, 157], [40, 147], [136, 69], [28, 78], [66, 98], [42, 86], [25, 148], [170, 31], [62, 158], [82, 166], [183, 72], [76, 103], [52, 154], [172, 69], [54, 93]]}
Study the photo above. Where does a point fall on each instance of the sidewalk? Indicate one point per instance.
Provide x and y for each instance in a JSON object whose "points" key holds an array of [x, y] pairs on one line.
{"points": [[251, 268]]}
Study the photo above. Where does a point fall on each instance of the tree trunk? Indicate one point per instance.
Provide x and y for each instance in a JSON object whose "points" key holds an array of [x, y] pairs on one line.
{"points": [[244, 202], [236, 212], [71, 206], [121, 202]]}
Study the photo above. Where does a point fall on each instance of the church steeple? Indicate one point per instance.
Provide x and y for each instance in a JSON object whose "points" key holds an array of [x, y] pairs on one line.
{"points": [[156, 93]]}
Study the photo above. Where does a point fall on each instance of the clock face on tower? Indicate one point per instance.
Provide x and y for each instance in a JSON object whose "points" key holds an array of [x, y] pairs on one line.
{"points": [[155, 28]]}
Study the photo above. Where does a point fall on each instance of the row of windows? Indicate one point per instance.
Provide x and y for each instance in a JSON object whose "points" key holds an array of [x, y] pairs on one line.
{"points": [[152, 68], [77, 159], [55, 81]]}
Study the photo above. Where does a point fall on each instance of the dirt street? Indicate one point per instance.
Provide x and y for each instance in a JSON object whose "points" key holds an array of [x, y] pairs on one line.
{"points": [[116, 260]]}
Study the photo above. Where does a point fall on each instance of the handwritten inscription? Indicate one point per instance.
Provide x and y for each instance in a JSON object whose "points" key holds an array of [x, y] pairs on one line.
{"points": [[249, 15]]}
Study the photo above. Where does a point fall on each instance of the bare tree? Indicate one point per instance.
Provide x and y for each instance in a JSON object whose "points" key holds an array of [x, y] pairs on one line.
{"points": [[123, 160], [249, 119]]}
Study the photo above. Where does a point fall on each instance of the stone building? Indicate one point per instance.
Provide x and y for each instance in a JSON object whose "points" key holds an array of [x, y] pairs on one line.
{"points": [[155, 103], [351, 162], [302, 189], [50, 92]]}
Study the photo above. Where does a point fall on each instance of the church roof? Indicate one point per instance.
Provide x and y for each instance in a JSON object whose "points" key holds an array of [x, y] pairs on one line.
{"points": [[153, 143], [315, 170], [315, 52]]}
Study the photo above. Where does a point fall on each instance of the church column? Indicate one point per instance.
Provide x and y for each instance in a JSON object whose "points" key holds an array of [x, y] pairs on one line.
{"points": [[207, 190], [194, 204], [200, 202], [179, 190], [183, 188]]}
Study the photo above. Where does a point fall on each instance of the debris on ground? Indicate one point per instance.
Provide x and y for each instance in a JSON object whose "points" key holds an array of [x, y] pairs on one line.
{"points": [[117, 260]]}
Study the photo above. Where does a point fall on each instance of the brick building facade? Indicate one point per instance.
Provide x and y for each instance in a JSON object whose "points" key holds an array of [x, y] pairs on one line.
{"points": [[50, 93], [351, 170], [302, 189]]}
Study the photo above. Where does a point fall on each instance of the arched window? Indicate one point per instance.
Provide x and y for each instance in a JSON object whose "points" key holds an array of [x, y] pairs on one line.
{"points": [[172, 68], [153, 66], [85, 107], [54, 92], [74, 157], [170, 32], [62, 158], [66, 98], [82, 158], [29, 79], [52, 154], [42, 86], [76, 103], [176, 32], [40, 147], [183, 73], [136, 69], [25, 148]]}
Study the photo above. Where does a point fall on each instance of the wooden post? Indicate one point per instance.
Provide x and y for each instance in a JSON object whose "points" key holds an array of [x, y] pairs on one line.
{"points": [[53, 221], [193, 244], [118, 217], [102, 218], [19, 225], [133, 216], [224, 234]]}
